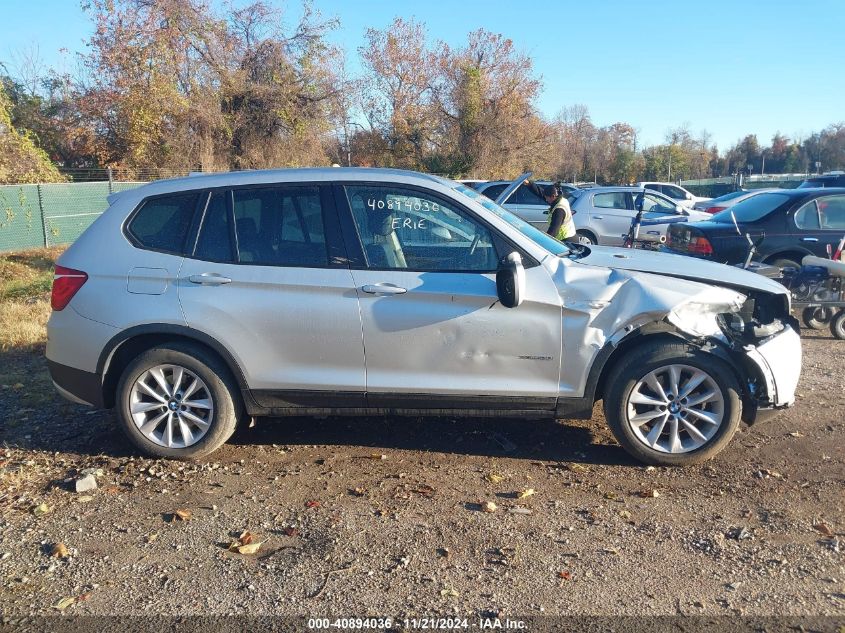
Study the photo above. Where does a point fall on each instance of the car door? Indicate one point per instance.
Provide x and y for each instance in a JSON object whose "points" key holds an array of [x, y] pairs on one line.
{"points": [[531, 207], [611, 213], [435, 333], [268, 278], [819, 223]]}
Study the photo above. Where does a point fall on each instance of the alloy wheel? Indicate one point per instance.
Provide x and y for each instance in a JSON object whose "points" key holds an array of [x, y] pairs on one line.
{"points": [[171, 406], [675, 409]]}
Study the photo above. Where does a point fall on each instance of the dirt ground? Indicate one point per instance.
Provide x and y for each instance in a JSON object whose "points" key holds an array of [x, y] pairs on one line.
{"points": [[383, 517]]}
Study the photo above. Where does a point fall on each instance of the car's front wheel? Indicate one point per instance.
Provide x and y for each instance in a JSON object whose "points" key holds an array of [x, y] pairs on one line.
{"points": [[672, 404], [177, 401]]}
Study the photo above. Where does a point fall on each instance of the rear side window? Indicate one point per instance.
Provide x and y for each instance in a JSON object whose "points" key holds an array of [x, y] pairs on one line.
{"points": [[215, 239], [615, 200], [280, 226], [525, 196], [162, 224], [832, 212], [493, 191]]}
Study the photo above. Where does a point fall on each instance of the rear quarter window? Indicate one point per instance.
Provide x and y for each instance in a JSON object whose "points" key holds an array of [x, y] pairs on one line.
{"points": [[162, 224]]}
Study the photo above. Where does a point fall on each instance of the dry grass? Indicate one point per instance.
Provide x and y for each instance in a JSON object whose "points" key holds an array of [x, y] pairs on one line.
{"points": [[25, 280]]}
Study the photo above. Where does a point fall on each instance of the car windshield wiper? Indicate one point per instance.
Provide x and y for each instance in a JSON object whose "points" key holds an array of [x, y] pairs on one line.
{"points": [[575, 250]]}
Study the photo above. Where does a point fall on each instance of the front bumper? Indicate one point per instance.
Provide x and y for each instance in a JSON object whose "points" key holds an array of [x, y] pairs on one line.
{"points": [[779, 360]]}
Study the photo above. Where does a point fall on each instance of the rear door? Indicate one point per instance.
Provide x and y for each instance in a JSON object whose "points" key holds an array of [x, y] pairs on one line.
{"points": [[268, 278], [531, 207], [611, 213], [819, 223]]}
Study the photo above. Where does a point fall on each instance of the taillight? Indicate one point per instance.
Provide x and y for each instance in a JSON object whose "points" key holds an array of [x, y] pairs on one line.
{"points": [[714, 209], [66, 283], [699, 246], [683, 239]]}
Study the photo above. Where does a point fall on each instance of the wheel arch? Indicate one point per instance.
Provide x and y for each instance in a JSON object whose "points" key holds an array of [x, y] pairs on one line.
{"points": [[128, 344], [793, 252], [590, 233], [742, 367]]}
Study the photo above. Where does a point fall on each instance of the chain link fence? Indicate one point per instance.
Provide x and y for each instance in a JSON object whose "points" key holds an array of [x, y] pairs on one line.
{"points": [[33, 216]]}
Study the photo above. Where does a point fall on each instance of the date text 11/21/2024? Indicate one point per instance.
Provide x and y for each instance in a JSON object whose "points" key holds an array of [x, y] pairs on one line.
{"points": [[421, 623]]}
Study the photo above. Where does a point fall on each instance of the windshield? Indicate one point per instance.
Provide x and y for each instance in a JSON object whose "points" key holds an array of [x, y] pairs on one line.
{"points": [[752, 209], [535, 235]]}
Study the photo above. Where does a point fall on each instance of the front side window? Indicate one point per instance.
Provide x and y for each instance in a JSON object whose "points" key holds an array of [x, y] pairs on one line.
{"points": [[615, 200], [280, 226], [656, 204], [162, 224], [403, 228], [674, 192]]}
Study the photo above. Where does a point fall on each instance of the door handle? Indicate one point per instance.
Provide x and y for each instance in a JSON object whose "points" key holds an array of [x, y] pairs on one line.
{"points": [[598, 217], [209, 279], [809, 239], [383, 289]]}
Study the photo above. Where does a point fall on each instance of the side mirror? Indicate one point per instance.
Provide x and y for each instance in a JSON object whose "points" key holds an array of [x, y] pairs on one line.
{"points": [[510, 280]]}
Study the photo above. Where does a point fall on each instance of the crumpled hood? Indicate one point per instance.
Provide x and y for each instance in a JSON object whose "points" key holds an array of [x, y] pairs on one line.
{"points": [[678, 266]]}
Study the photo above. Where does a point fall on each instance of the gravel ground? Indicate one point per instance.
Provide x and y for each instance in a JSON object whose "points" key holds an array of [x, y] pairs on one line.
{"points": [[384, 517]]}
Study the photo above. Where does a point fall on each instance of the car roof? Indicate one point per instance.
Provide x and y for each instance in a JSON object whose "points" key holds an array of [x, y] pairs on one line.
{"points": [[271, 176], [810, 190]]}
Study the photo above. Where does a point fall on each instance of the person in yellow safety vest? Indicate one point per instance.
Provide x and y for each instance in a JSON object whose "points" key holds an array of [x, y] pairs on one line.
{"points": [[561, 225]]}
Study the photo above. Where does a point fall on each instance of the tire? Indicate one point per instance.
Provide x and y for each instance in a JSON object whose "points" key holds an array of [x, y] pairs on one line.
{"points": [[816, 318], [785, 262], [627, 380], [837, 325], [586, 238], [214, 402]]}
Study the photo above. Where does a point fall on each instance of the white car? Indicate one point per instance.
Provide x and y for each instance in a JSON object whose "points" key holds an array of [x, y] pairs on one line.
{"points": [[680, 195], [193, 304], [603, 215]]}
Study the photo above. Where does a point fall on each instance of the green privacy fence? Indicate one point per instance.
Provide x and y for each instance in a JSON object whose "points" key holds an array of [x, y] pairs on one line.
{"points": [[32, 216]]}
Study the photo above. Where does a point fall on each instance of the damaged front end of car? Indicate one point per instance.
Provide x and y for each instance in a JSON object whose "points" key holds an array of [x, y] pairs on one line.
{"points": [[751, 329], [759, 336]]}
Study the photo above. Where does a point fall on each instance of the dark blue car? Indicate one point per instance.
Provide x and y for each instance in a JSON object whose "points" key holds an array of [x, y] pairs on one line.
{"points": [[786, 225]]}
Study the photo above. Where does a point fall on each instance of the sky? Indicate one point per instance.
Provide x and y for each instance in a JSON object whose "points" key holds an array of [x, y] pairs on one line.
{"points": [[732, 68]]}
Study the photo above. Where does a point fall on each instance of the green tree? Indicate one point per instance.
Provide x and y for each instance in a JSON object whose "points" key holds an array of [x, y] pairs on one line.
{"points": [[21, 160]]}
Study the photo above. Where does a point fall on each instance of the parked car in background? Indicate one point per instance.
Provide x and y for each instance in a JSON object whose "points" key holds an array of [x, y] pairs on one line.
{"points": [[472, 183], [523, 202], [603, 215], [192, 304], [830, 179], [721, 203], [788, 224], [671, 190]]}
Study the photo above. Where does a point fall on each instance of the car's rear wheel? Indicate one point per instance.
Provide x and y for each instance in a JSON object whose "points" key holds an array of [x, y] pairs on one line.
{"points": [[178, 401], [786, 262], [671, 404], [585, 237]]}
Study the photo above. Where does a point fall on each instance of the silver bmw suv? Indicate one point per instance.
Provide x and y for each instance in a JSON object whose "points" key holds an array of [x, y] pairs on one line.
{"points": [[193, 304]]}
